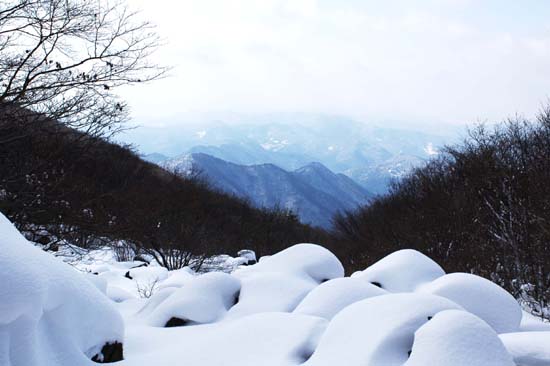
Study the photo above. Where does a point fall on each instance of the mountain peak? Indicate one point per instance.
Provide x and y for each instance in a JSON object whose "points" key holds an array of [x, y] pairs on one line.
{"points": [[314, 167]]}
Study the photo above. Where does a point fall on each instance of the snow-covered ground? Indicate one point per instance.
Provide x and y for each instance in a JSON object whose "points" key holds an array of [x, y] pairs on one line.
{"points": [[292, 308]]}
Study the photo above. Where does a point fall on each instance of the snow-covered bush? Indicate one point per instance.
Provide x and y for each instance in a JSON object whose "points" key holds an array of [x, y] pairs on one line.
{"points": [[329, 298], [480, 297], [281, 281], [50, 314], [291, 308], [203, 300], [377, 331], [457, 338], [401, 271]]}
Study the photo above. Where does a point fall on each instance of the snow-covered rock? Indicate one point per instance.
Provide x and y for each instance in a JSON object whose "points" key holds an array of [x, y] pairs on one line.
{"points": [[270, 292], [177, 278], [248, 255], [528, 348], [480, 297], [327, 299], [267, 339], [304, 260], [401, 271], [291, 308], [278, 283], [50, 314], [377, 331], [203, 300], [457, 338]]}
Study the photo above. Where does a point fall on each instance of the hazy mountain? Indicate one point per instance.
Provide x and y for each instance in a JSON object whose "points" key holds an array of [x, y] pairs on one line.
{"points": [[314, 192], [371, 155], [155, 158]]}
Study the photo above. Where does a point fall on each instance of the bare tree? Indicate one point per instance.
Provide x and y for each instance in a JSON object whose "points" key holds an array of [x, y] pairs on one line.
{"points": [[62, 60]]}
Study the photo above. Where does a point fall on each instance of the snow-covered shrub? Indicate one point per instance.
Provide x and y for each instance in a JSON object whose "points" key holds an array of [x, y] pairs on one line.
{"points": [[480, 297], [50, 314], [305, 260], [329, 298], [377, 331], [457, 338], [401, 271], [270, 291], [205, 299], [281, 281]]}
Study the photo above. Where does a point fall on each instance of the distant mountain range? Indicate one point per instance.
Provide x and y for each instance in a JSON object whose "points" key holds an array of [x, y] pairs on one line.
{"points": [[313, 191], [370, 155]]}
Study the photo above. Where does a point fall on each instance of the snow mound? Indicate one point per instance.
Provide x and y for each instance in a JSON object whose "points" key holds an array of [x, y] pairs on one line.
{"points": [[50, 314], [457, 338], [377, 331], [402, 271], [270, 292], [531, 323], [528, 348], [118, 294], [268, 339], [305, 260], [205, 299], [278, 283], [177, 278], [327, 299], [480, 297], [147, 274]]}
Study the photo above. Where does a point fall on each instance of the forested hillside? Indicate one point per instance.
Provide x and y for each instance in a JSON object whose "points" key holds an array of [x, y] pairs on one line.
{"points": [[482, 206], [57, 183]]}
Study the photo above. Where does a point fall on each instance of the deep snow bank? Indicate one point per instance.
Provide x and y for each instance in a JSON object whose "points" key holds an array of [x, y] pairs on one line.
{"points": [[292, 308], [50, 314]]}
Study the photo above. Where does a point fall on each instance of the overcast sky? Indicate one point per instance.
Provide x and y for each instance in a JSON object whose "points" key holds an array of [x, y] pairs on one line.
{"points": [[438, 61]]}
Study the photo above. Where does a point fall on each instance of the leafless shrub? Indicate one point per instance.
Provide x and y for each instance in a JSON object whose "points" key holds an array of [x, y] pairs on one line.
{"points": [[146, 290]]}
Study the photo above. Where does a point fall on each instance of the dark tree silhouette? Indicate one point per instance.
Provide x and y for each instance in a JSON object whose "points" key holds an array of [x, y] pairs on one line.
{"points": [[483, 206]]}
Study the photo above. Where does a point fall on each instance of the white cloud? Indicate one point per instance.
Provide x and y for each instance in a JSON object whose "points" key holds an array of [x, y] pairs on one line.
{"points": [[445, 60]]}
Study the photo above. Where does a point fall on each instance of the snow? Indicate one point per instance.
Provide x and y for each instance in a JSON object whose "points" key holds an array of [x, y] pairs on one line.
{"points": [[281, 281], [402, 271], [481, 297], [268, 339], [528, 348], [457, 338], [203, 300], [291, 308], [303, 260], [177, 278], [270, 292], [50, 314], [530, 323], [329, 298], [376, 331]]}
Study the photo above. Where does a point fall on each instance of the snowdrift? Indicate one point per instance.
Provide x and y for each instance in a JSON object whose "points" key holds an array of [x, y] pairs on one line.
{"points": [[292, 308], [50, 314]]}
